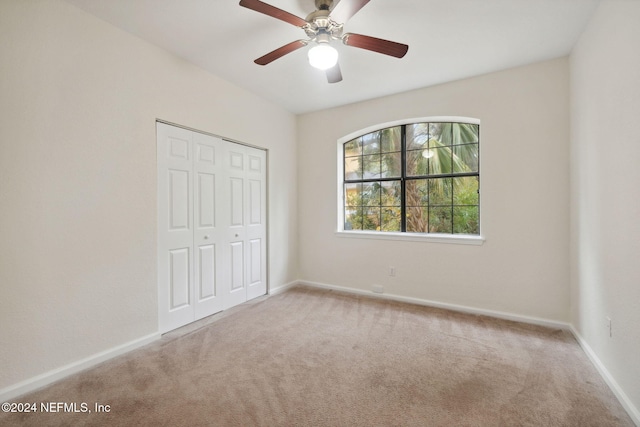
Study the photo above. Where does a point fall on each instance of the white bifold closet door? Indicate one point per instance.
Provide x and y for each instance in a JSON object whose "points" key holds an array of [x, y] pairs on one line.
{"points": [[211, 225]]}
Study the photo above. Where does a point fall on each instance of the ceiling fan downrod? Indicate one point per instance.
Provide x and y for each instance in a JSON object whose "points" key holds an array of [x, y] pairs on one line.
{"points": [[324, 4]]}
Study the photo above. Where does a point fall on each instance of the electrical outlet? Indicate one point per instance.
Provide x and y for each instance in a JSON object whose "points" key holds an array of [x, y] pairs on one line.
{"points": [[609, 326], [392, 271], [377, 289]]}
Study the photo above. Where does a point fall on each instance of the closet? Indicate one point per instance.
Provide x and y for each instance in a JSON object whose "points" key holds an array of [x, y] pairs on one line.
{"points": [[211, 225]]}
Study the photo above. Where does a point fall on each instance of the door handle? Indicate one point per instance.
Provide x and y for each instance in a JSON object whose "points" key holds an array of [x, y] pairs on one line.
{"points": [[206, 237]]}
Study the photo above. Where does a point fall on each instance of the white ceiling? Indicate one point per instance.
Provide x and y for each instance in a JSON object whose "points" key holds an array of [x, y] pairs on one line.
{"points": [[448, 40]]}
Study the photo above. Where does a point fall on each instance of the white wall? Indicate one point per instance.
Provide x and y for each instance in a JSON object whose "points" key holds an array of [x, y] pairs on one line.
{"points": [[78, 104], [523, 265], [605, 208]]}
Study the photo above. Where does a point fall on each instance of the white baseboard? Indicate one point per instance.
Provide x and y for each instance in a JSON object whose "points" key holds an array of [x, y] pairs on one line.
{"points": [[282, 288], [447, 306], [54, 375], [626, 403]]}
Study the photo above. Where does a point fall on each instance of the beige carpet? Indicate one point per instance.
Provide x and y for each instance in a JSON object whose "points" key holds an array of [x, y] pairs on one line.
{"points": [[311, 357]]}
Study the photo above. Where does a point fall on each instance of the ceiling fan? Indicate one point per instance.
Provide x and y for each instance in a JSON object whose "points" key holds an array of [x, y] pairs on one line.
{"points": [[323, 26]]}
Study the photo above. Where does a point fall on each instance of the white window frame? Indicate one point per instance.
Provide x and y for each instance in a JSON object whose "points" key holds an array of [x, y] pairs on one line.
{"points": [[386, 235]]}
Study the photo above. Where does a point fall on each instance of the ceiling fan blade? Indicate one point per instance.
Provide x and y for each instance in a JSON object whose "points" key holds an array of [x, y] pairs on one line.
{"points": [[375, 44], [280, 52], [334, 75], [345, 9], [273, 11]]}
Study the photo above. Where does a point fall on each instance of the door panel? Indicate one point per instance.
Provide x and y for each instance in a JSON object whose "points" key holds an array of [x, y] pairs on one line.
{"points": [[206, 154], [236, 202], [235, 287], [236, 291], [208, 200], [178, 199], [237, 266], [255, 163], [256, 229], [178, 147], [236, 159], [255, 257], [207, 271], [179, 278], [255, 202], [175, 229]]}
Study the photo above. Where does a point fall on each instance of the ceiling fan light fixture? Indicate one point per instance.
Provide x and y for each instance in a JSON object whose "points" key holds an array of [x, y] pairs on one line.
{"points": [[323, 56]]}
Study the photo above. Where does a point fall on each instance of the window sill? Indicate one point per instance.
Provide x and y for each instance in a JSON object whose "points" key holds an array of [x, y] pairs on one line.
{"points": [[414, 237]]}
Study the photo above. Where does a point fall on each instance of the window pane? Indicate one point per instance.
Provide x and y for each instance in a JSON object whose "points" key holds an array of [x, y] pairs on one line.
{"points": [[417, 163], [390, 193], [465, 190], [353, 147], [390, 219], [417, 136], [416, 192], [353, 208], [352, 168], [465, 220], [353, 218], [458, 166], [371, 143], [390, 165], [439, 160], [452, 134], [353, 194], [439, 134], [371, 220], [391, 139], [371, 166], [467, 156], [417, 219], [440, 220], [371, 194], [464, 133], [440, 191]]}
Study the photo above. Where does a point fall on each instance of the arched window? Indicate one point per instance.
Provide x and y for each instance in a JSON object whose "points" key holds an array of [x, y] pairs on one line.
{"points": [[419, 177]]}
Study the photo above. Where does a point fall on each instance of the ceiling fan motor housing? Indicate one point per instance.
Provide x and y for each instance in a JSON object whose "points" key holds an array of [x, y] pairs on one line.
{"points": [[319, 22]]}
